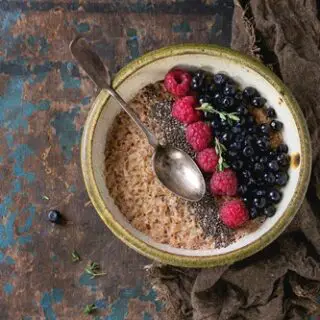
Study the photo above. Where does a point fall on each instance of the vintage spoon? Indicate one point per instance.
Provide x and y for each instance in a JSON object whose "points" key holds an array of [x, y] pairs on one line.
{"points": [[174, 168]]}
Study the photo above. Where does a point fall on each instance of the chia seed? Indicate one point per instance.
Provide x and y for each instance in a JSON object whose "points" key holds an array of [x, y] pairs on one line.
{"points": [[173, 131], [205, 210], [206, 213]]}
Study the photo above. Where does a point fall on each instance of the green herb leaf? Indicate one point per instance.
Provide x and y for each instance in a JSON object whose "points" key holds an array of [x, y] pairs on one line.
{"points": [[206, 107], [93, 269], [220, 149], [233, 116], [89, 309], [75, 256], [222, 116]]}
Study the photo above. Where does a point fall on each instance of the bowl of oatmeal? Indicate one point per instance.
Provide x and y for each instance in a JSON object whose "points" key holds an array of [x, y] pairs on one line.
{"points": [[235, 118]]}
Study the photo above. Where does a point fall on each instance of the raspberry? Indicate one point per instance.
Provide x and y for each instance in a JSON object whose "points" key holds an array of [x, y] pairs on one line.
{"points": [[224, 183], [177, 82], [234, 213], [207, 160], [199, 135], [183, 110]]}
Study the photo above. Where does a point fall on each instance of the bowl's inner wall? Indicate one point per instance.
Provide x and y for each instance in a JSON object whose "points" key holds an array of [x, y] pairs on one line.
{"points": [[156, 71]]}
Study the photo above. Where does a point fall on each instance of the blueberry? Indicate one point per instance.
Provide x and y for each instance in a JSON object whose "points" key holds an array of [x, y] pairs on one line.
{"points": [[259, 202], [273, 165], [274, 195], [250, 120], [232, 153], [227, 102], [276, 125], [54, 216], [249, 92], [265, 128], [197, 80], [237, 165], [282, 178], [258, 167], [226, 137], [253, 212], [272, 155], [236, 129], [261, 193], [246, 200], [219, 78], [269, 211], [263, 159], [216, 122], [269, 178], [248, 140], [242, 121], [211, 89], [252, 129], [208, 116], [239, 138], [271, 113], [259, 182], [242, 110], [218, 97], [263, 143], [238, 96], [246, 174], [248, 151], [205, 98], [282, 148], [258, 102], [242, 189], [235, 145], [283, 159], [230, 89]]}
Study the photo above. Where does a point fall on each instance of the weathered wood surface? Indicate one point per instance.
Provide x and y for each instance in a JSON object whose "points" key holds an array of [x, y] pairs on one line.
{"points": [[44, 100]]}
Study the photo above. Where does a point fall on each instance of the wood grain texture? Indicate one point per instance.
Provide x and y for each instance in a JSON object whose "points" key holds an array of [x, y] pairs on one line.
{"points": [[44, 100]]}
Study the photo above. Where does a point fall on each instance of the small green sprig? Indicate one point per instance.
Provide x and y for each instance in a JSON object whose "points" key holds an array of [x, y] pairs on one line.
{"points": [[75, 256], [89, 309], [220, 149], [232, 116], [93, 269]]}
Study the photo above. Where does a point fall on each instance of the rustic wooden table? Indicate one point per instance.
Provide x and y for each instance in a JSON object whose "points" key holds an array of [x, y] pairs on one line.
{"points": [[44, 100]]}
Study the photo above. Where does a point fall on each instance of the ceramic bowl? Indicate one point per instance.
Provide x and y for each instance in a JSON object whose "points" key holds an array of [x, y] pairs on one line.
{"points": [[153, 67]]}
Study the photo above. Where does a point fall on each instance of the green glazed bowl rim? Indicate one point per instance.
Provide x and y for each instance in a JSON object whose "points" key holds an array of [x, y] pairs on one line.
{"points": [[195, 261]]}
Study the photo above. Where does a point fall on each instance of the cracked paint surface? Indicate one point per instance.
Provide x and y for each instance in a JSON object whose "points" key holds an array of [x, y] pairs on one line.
{"points": [[44, 101]]}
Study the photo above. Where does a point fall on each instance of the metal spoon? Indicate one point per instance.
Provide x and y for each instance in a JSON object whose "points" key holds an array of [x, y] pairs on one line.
{"points": [[174, 168]]}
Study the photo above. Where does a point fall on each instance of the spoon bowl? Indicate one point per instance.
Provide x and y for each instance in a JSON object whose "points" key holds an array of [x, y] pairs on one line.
{"points": [[177, 171]]}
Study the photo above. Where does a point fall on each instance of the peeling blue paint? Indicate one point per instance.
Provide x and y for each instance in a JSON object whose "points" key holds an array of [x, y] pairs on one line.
{"points": [[47, 301], [15, 111], [19, 154], [85, 280], [5, 205], [7, 232], [70, 75], [8, 19], [82, 27], [147, 316], [23, 240], [66, 131], [119, 308], [85, 100], [31, 211], [72, 188], [132, 43], [8, 289]]}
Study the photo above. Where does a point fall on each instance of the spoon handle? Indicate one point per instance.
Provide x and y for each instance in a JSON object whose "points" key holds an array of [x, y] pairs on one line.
{"points": [[99, 74]]}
